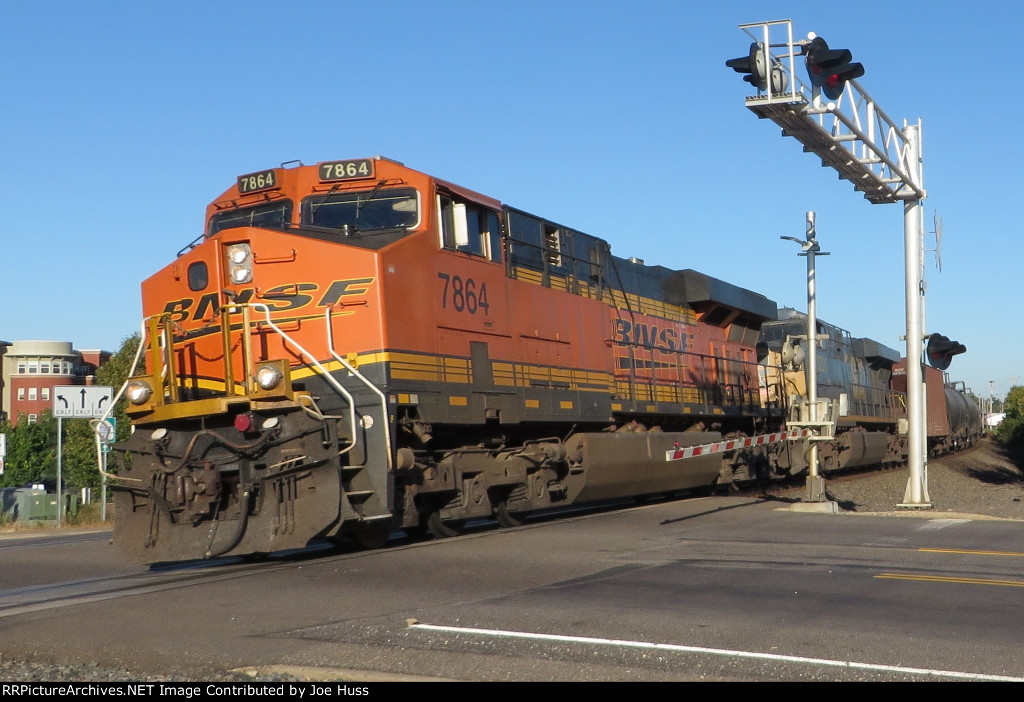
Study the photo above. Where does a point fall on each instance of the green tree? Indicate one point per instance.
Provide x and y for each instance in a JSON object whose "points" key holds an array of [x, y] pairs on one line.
{"points": [[79, 467], [1011, 429], [31, 451]]}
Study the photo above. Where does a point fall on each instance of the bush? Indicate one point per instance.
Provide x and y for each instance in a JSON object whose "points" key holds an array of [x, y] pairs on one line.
{"points": [[1011, 429]]}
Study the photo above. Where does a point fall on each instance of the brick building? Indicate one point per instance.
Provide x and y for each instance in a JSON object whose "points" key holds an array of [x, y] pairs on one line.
{"points": [[32, 369]]}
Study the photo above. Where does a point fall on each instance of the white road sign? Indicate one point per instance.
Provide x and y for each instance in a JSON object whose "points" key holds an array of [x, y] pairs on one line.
{"points": [[81, 400]]}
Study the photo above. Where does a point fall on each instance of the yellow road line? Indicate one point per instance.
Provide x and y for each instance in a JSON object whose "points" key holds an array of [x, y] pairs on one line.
{"points": [[972, 552], [947, 579]]}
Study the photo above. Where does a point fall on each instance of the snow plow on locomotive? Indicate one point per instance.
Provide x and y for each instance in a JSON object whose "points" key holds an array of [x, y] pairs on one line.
{"points": [[355, 347]]}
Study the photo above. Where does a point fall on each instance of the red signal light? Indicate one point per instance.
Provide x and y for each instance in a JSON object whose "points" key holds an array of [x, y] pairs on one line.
{"points": [[941, 350], [830, 69]]}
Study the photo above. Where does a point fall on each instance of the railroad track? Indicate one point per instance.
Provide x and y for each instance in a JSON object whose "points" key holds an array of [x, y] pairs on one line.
{"points": [[34, 598], [22, 600]]}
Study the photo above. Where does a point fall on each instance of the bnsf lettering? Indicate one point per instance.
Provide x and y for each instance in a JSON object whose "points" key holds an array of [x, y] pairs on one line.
{"points": [[178, 309], [281, 298], [208, 304], [341, 288], [205, 308], [278, 299], [649, 335]]}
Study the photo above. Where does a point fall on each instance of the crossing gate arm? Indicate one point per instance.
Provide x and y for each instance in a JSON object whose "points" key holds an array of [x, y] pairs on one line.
{"points": [[680, 452]]}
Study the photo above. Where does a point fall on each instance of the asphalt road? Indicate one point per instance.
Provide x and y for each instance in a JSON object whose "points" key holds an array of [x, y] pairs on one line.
{"points": [[720, 588]]}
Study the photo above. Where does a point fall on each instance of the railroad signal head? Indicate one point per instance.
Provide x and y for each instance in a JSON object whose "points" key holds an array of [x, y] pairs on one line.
{"points": [[941, 350], [758, 66], [753, 65], [830, 69], [793, 355]]}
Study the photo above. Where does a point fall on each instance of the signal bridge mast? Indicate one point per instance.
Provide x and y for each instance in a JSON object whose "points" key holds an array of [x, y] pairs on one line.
{"points": [[835, 119]]}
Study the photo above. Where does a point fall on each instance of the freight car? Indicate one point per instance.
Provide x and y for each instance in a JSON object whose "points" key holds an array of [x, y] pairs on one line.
{"points": [[354, 347], [954, 420]]}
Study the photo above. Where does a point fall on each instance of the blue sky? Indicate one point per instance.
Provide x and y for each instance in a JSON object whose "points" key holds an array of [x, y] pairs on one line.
{"points": [[122, 120]]}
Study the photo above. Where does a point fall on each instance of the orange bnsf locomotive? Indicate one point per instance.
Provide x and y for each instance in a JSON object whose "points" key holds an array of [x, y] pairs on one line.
{"points": [[355, 347]]}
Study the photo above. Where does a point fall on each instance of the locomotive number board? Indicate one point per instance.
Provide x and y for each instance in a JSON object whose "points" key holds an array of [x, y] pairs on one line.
{"points": [[346, 170], [254, 182]]}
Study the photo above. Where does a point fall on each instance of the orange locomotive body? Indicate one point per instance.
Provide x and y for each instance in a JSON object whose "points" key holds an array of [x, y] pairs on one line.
{"points": [[355, 347]]}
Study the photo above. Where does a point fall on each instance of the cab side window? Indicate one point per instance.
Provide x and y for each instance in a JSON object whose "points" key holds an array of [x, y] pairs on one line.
{"points": [[468, 227]]}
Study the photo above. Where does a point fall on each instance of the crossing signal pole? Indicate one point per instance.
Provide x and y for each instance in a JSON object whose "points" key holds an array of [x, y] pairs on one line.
{"points": [[810, 248], [835, 119]]}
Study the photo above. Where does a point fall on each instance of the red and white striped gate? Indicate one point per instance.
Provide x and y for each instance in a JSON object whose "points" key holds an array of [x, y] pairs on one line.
{"points": [[681, 452]]}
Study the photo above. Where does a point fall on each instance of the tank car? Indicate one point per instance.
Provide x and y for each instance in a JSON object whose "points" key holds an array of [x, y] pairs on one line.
{"points": [[953, 420], [354, 347]]}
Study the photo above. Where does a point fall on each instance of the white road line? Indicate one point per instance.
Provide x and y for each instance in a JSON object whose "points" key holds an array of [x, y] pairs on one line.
{"points": [[713, 651], [936, 524]]}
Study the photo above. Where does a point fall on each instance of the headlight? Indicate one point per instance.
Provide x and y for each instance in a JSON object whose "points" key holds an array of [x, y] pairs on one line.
{"points": [[240, 275], [138, 392], [239, 263], [268, 377], [238, 253]]}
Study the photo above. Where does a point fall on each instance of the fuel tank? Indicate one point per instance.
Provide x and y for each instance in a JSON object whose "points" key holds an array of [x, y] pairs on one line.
{"points": [[621, 465]]}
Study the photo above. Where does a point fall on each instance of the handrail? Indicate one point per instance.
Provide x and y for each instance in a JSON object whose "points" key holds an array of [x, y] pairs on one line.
{"points": [[351, 369], [156, 338], [96, 422], [312, 360]]}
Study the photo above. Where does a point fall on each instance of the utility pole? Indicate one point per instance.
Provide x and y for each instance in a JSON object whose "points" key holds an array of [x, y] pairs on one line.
{"points": [[810, 249]]}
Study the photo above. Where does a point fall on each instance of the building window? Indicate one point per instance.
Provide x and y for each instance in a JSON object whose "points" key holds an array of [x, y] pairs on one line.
{"points": [[56, 367], [32, 418], [44, 394], [21, 394], [33, 367], [31, 393], [21, 366]]}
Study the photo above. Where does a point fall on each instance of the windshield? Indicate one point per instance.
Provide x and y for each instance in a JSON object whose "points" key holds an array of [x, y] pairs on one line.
{"points": [[377, 209], [275, 215]]}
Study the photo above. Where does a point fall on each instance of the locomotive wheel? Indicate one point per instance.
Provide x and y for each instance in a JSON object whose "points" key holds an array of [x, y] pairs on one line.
{"points": [[442, 529], [506, 518]]}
